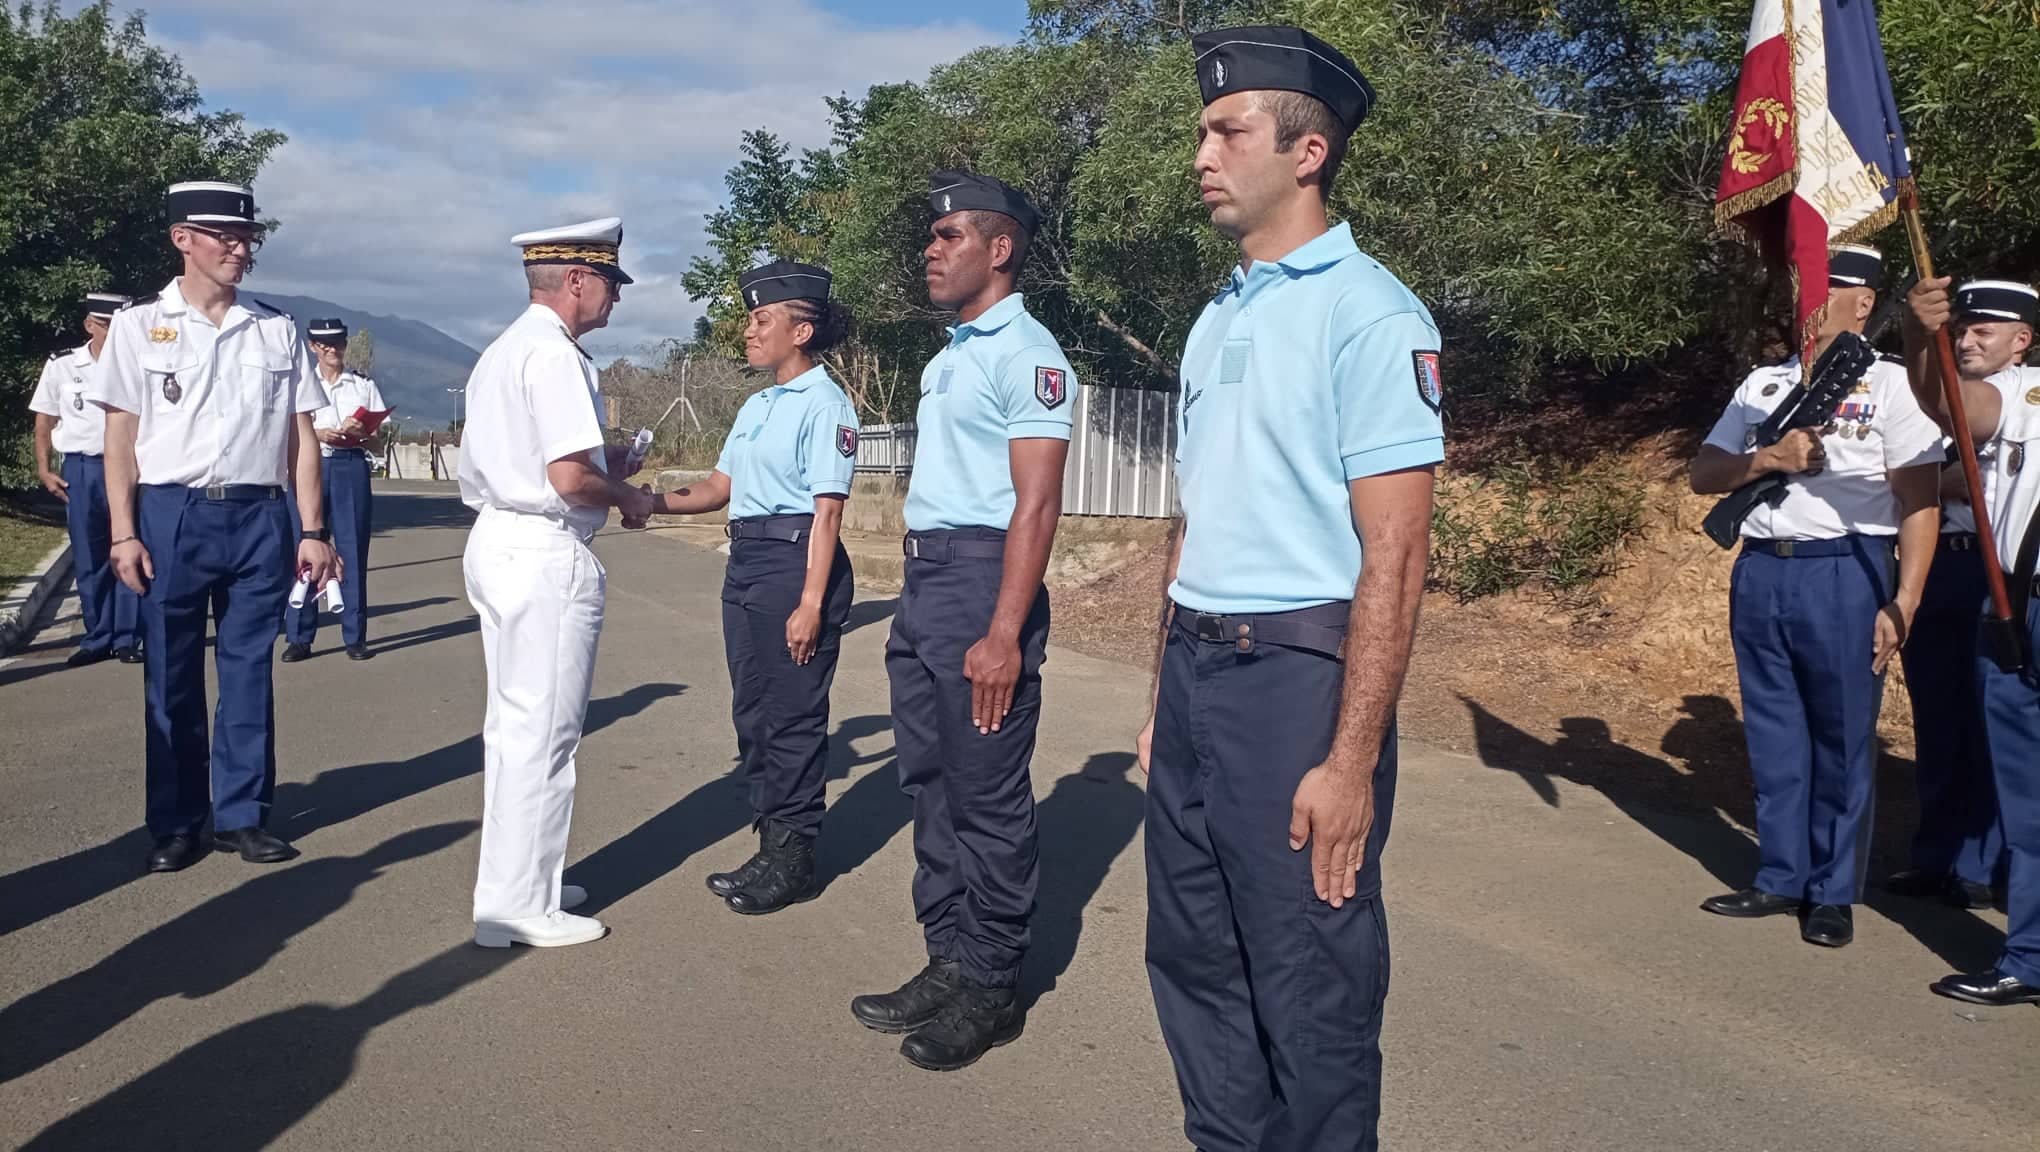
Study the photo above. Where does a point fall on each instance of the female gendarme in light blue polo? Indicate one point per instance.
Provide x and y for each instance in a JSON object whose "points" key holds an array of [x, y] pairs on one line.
{"points": [[784, 473]]}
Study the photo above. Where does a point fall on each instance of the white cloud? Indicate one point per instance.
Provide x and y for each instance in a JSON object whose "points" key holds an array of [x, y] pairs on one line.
{"points": [[423, 133]]}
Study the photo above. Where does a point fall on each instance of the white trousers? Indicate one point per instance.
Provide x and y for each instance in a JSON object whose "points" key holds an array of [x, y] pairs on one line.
{"points": [[538, 590]]}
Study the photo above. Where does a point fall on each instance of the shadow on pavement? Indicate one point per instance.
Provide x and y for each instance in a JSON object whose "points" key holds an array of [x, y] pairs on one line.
{"points": [[207, 950], [866, 612], [1085, 822], [1691, 810], [333, 797]]}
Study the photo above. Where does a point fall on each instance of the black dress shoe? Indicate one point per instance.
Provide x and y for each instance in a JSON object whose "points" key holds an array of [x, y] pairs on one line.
{"points": [[975, 1021], [1968, 894], [255, 845], [1828, 925], [788, 878], [292, 653], [359, 652], [1992, 988], [725, 883], [128, 655], [85, 657], [176, 853], [1748, 902], [916, 1002]]}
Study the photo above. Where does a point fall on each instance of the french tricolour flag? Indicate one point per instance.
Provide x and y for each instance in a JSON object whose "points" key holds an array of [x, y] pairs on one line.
{"points": [[1815, 151]]}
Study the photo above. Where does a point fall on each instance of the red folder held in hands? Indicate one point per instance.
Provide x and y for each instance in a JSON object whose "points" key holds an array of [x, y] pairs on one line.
{"points": [[370, 421]]}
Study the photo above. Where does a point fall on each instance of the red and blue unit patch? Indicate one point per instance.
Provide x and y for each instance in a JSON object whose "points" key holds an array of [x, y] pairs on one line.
{"points": [[1430, 380], [1051, 386], [846, 441]]}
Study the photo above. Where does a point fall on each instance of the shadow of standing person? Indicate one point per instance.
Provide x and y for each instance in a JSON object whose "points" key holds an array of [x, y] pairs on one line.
{"points": [[1086, 823]]}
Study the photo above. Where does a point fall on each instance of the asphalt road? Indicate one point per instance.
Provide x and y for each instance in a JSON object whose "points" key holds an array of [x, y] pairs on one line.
{"points": [[1555, 986]]}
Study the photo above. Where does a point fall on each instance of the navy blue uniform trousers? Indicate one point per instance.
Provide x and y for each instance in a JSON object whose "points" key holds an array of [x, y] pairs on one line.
{"points": [[1959, 831], [2011, 712], [1270, 1000], [1804, 628], [781, 709], [976, 862], [112, 611], [350, 505], [231, 558]]}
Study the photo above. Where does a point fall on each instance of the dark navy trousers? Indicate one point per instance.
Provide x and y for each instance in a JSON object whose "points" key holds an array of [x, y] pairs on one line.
{"points": [[2011, 711], [781, 708], [1270, 999], [231, 558], [350, 505], [976, 861], [112, 612], [1959, 830], [1803, 627]]}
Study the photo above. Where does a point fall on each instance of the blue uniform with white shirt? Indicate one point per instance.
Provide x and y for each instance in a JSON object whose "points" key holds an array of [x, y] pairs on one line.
{"points": [[1301, 376], [111, 610], [350, 514], [790, 443], [1001, 378]]}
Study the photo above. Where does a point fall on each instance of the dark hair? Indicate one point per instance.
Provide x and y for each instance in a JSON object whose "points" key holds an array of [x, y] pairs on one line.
{"points": [[991, 225], [1298, 115], [831, 319]]}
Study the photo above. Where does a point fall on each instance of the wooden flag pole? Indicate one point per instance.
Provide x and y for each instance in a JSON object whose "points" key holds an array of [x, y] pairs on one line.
{"points": [[1958, 415]]}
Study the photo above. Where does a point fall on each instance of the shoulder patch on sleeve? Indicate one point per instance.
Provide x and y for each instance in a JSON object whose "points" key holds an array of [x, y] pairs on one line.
{"points": [[1430, 380], [1051, 386], [846, 441]]}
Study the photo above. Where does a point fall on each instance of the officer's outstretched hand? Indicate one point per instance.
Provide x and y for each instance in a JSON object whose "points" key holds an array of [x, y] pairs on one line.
{"points": [[993, 668], [1333, 812], [132, 564], [317, 560], [1894, 624], [1928, 306]]}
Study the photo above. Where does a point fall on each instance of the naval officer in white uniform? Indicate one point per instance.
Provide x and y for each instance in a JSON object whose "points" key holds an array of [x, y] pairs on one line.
{"points": [[534, 467]]}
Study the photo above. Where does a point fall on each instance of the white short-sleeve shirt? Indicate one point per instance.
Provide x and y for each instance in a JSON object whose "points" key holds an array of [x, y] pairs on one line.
{"points": [[534, 397], [346, 395], [215, 404], [2012, 481], [61, 392], [1879, 427]]}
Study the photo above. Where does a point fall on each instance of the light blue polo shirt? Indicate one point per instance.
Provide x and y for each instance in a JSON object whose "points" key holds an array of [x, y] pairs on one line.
{"points": [[1300, 376], [791, 443], [1001, 378]]}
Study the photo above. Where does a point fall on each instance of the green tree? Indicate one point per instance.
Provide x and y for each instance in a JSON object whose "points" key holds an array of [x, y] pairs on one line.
{"points": [[360, 358], [94, 124]]}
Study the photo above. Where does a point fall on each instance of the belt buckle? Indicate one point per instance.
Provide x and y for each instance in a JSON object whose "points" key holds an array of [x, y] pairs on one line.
{"points": [[216, 491], [914, 547], [1782, 548], [1208, 626], [729, 529]]}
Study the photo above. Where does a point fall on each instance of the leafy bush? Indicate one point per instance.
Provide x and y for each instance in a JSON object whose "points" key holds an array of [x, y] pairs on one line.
{"points": [[1549, 526]]}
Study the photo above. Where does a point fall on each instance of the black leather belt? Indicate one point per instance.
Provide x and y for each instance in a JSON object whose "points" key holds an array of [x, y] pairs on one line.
{"points": [[349, 452], [240, 493], [1959, 541], [791, 529], [1806, 549], [1321, 629], [952, 544]]}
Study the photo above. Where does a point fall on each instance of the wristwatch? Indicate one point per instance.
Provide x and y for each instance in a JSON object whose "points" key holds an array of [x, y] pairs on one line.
{"points": [[322, 535]]}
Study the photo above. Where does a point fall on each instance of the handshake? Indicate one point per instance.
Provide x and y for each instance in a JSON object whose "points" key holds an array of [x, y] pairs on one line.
{"points": [[637, 505]]}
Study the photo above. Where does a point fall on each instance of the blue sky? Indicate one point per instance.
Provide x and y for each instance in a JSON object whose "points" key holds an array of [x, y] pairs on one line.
{"points": [[424, 133]]}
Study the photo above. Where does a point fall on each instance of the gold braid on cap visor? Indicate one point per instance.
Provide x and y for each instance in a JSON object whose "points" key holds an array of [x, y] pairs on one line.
{"points": [[565, 253]]}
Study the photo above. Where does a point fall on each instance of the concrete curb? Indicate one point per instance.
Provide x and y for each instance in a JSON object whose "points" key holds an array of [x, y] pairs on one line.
{"points": [[24, 603]]}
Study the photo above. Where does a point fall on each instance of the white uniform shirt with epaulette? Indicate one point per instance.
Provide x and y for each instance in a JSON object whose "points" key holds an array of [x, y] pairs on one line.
{"points": [[1955, 514], [2013, 483], [214, 404], [347, 395], [1878, 427], [62, 393], [533, 398]]}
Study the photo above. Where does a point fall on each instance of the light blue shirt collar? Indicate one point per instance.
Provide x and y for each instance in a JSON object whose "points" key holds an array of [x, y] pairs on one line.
{"points": [[991, 319], [1326, 249], [805, 380]]}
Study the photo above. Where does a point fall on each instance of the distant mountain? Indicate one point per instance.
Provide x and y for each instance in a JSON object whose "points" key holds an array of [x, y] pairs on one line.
{"points": [[415, 363]]}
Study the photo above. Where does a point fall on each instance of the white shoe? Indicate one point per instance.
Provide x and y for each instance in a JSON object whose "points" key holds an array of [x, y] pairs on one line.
{"points": [[572, 896], [555, 931]]}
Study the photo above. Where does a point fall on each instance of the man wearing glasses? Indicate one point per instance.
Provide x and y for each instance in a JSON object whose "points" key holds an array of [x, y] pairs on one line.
{"points": [[209, 397]]}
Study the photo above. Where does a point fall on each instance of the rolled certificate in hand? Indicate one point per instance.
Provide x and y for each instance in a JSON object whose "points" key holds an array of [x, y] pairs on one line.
{"points": [[303, 588], [640, 447], [333, 595]]}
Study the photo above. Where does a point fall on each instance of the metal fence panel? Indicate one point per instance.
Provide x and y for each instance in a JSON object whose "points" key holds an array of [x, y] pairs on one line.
{"points": [[1122, 452]]}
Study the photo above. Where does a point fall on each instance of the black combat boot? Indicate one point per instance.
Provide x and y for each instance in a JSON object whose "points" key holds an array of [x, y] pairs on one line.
{"points": [[917, 1002], [725, 883], [974, 1021], [788, 876]]}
